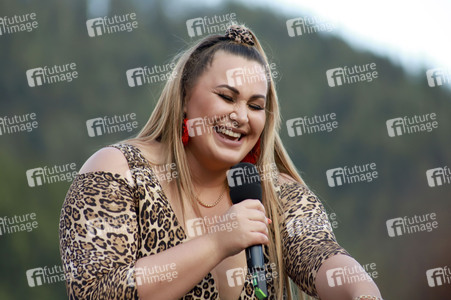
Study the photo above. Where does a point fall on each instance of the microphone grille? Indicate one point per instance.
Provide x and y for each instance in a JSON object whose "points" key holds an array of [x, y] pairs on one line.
{"points": [[244, 182]]}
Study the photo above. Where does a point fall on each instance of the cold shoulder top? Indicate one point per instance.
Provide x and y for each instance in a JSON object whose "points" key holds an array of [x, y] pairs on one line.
{"points": [[107, 223]]}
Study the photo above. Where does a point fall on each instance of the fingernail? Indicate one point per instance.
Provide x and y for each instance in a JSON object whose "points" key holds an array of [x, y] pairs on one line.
{"points": [[269, 221]]}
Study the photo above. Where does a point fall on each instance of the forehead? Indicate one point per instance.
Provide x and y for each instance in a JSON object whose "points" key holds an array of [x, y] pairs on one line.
{"points": [[237, 71]]}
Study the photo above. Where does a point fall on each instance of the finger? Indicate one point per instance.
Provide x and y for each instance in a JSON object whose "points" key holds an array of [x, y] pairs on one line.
{"points": [[253, 203], [256, 215], [257, 226], [259, 238]]}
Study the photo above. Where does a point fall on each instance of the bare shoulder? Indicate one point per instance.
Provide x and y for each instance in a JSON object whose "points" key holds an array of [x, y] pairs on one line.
{"points": [[111, 159], [108, 159]]}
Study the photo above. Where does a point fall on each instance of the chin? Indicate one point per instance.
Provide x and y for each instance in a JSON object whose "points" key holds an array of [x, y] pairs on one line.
{"points": [[229, 160]]}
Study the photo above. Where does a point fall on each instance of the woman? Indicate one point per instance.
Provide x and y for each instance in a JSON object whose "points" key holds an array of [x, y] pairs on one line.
{"points": [[126, 228]]}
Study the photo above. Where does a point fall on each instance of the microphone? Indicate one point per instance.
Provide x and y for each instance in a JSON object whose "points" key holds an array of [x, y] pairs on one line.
{"points": [[244, 183]]}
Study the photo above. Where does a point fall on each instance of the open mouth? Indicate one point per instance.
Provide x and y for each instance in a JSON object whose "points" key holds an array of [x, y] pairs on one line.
{"points": [[228, 134]]}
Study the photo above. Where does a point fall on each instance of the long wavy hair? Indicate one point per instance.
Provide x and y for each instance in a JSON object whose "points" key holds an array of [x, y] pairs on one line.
{"points": [[165, 126]]}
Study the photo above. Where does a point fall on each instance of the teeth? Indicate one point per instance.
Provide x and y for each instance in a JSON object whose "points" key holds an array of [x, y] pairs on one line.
{"points": [[229, 132]]}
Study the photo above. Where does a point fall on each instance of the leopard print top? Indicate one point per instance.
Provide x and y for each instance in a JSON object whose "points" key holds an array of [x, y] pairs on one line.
{"points": [[108, 222]]}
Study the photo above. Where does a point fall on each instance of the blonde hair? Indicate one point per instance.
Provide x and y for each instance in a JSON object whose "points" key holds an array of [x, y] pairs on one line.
{"points": [[165, 123]]}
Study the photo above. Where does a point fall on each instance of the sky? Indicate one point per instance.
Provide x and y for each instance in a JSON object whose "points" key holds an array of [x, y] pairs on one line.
{"points": [[415, 33]]}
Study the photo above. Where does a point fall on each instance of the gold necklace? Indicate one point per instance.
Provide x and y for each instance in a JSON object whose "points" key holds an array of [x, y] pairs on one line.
{"points": [[214, 204]]}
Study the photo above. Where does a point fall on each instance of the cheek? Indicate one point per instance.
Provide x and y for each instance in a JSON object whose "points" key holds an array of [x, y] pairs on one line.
{"points": [[202, 105], [259, 121], [193, 105]]}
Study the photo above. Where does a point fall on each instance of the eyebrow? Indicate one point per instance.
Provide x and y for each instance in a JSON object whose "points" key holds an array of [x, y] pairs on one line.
{"points": [[234, 90]]}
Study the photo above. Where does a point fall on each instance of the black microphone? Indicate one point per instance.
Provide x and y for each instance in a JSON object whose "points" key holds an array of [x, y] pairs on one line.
{"points": [[244, 183]]}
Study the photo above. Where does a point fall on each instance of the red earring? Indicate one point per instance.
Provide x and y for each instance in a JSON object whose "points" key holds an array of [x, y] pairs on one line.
{"points": [[185, 136], [253, 156]]}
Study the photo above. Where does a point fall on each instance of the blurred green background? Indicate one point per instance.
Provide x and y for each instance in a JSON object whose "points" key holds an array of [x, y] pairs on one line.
{"points": [[101, 89]]}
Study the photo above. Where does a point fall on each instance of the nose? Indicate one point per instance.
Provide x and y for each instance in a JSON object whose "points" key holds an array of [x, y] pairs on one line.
{"points": [[240, 113]]}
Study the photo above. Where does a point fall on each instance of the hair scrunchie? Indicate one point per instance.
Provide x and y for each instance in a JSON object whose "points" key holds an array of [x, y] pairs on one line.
{"points": [[239, 34]]}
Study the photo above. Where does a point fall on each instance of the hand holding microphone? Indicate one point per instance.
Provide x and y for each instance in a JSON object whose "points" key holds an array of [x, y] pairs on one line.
{"points": [[244, 183]]}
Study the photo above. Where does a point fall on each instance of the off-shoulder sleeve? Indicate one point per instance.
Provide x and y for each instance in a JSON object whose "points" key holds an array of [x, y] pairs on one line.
{"points": [[307, 236], [98, 237]]}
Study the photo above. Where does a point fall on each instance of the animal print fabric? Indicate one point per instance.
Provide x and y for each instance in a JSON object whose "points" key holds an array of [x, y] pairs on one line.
{"points": [[109, 221]]}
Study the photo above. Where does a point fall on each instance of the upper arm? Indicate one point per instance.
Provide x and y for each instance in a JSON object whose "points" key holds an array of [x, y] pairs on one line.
{"points": [[99, 229]]}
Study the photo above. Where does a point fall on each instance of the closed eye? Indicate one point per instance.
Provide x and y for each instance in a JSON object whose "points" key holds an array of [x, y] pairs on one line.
{"points": [[228, 98], [256, 107], [225, 97]]}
